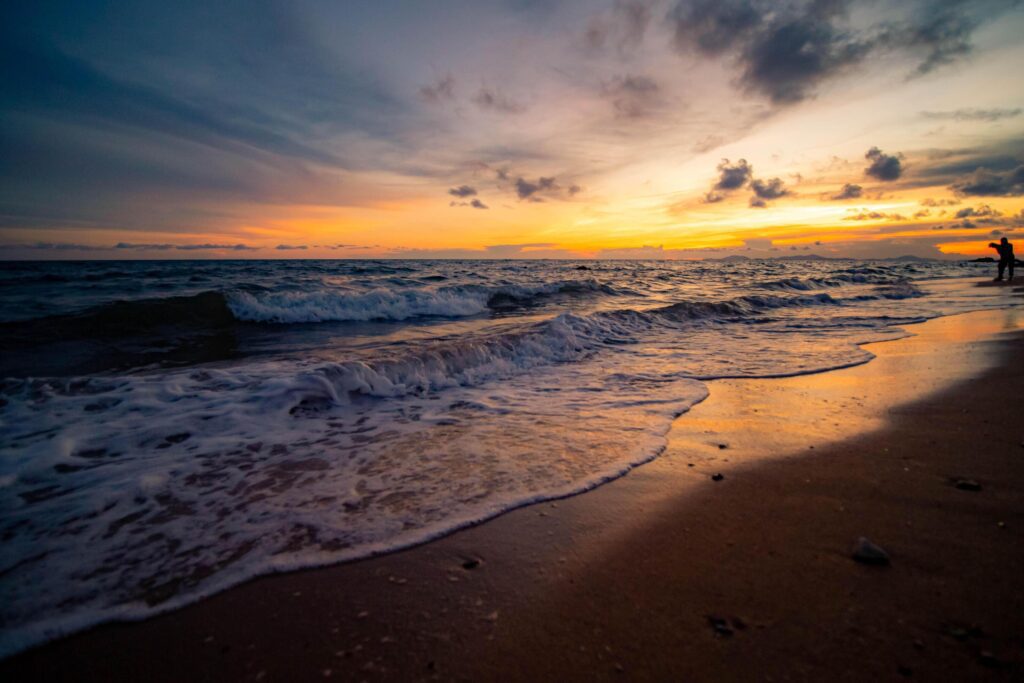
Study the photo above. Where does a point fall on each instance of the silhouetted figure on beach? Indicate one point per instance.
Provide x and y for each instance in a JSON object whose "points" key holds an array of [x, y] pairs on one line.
{"points": [[1005, 249]]}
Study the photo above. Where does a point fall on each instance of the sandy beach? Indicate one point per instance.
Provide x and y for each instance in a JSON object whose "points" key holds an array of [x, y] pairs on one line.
{"points": [[671, 574]]}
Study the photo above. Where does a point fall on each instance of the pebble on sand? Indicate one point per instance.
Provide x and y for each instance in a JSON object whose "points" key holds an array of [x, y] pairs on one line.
{"points": [[967, 485], [867, 552], [717, 477]]}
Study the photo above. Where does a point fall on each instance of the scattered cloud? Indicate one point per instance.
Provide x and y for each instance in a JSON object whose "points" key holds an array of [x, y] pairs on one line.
{"points": [[622, 28], [849, 191], [55, 246], [143, 247], [127, 246], [462, 191], [207, 246], [291, 247], [633, 96], [980, 211], [442, 90], [493, 100], [973, 114], [939, 202], [866, 215], [733, 176], [769, 189], [883, 166], [528, 190], [708, 143], [473, 204]]}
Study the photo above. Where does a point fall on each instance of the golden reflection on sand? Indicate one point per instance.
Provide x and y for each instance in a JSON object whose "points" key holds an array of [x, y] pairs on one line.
{"points": [[764, 418]]}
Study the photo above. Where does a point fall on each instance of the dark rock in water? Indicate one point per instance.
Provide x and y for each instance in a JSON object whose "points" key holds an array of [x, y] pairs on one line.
{"points": [[988, 659], [967, 485], [717, 477], [720, 625], [956, 632], [582, 267], [867, 552]]}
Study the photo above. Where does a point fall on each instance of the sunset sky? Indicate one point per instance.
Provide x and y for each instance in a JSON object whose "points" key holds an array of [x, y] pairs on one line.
{"points": [[510, 128]]}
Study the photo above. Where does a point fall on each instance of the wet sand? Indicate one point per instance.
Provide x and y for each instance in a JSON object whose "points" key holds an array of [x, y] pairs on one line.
{"points": [[667, 574]]}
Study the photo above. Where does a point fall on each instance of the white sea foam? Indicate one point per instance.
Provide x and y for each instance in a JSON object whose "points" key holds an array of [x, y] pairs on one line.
{"points": [[394, 304], [123, 495]]}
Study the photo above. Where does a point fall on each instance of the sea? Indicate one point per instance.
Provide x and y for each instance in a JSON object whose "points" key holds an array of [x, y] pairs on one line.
{"points": [[169, 429]]}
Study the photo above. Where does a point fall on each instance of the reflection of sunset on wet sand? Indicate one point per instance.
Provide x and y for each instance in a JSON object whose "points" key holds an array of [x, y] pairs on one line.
{"points": [[766, 418]]}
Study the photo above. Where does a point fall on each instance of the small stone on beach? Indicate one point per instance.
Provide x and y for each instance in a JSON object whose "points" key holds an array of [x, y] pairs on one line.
{"points": [[967, 485], [471, 564], [717, 477], [723, 446], [867, 552]]}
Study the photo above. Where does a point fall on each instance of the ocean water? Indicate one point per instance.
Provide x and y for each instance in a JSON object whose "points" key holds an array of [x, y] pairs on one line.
{"points": [[170, 429]]}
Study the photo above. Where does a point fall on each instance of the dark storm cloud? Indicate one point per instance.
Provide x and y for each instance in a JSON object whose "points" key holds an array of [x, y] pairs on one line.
{"points": [[984, 182], [972, 114], [849, 191], [633, 96], [733, 176], [491, 99], [462, 191], [883, 166], [786, 50], [940, 31], [782, 51], [789, 60], [769, 189]]}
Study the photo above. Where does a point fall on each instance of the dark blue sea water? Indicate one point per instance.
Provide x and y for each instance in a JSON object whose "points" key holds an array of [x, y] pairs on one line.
{"points": [[169, 429]]}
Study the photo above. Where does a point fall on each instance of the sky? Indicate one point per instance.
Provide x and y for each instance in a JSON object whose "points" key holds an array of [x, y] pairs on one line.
{"points": [[671, 129]]}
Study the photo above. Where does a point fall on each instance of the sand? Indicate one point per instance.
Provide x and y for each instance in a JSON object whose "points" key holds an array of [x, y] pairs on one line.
{"points": [[667, 574]]}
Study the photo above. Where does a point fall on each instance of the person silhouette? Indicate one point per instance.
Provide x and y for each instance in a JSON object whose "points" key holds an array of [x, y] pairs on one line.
{"points": [[1005, 249]]}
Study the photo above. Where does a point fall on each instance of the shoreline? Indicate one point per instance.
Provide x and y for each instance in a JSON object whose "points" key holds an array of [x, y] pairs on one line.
{"points": [[369, 618]]}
